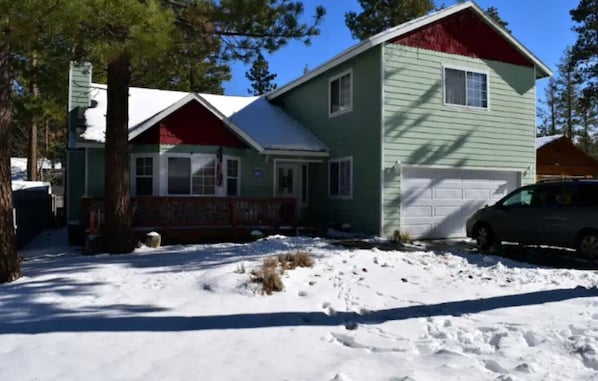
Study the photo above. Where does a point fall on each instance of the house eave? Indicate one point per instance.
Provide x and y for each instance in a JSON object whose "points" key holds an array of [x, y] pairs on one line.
{"points": [[405, 28], [276, 152]]}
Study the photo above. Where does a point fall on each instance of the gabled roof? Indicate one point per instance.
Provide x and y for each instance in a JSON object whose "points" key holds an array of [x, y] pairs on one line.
{"points": [[392, 33], [259, 123], [544, 140]]}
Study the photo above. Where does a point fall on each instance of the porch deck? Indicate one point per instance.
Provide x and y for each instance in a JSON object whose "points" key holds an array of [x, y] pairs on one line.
{"points": [[198, 219]]}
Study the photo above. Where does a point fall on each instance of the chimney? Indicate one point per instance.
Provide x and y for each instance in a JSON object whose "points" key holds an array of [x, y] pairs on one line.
{"points": [[79, 85]]}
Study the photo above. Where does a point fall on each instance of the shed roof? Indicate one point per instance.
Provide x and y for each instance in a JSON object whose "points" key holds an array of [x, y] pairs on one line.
{"points": [[544, 140]]}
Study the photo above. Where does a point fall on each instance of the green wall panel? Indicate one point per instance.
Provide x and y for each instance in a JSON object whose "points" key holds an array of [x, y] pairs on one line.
{"points": [[356, 134], [95, 172], [420, 130]]}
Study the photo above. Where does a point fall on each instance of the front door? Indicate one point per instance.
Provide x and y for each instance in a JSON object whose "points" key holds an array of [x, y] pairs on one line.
{"points": [[288, 182]]}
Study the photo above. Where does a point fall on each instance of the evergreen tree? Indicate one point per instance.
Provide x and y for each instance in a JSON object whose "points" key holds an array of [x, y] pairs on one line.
{"points": [[550, 114], [585, 50], [260, 76], [492, 12], [10, 267], [15, 36], [379, 15], [128, 33], [567, 83]]}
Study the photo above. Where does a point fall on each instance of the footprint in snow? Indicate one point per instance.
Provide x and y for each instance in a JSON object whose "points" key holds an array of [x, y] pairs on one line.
{"points": [[525, 368], [531, 339], [340, 377], [495, 367], [328, 310]]}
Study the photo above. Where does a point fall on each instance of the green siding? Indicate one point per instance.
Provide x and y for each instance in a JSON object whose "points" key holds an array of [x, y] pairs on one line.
{"points": [[420, 130], [75, 183], [355, 134], [95, 172]]}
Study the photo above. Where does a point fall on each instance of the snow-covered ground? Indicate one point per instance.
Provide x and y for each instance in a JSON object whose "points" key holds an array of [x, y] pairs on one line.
{"points": [[188, 313]]}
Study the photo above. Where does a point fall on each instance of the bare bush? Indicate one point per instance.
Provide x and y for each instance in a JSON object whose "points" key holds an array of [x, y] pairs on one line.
{"points": [[268, 274]]}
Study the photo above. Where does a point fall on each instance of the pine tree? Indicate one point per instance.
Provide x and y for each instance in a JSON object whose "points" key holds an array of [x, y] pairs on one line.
{"points": [[492, 12], [15, 36], [549, 115], [260, 76], [377, 16], [585, 50], [10, 267], [568, 93], [128, 33]]}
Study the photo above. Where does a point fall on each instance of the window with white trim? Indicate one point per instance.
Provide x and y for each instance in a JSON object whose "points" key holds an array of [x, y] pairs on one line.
{"points": [[232, 177], [203, 180], [340, 178], [465, 88], [198, 175], [144, 176], [340, 94], [179, 175]]}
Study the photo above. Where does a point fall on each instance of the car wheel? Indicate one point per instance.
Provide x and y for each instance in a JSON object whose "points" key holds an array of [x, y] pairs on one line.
{"points": [[588, 245], [484, 237]]}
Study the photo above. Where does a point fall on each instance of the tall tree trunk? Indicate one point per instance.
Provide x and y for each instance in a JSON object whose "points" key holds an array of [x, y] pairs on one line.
{"points": [[10, 265], [32, 150], [117, 230]]}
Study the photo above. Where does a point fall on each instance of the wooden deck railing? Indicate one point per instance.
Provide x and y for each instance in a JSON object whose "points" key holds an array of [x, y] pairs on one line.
{"points": [[170, 212]]}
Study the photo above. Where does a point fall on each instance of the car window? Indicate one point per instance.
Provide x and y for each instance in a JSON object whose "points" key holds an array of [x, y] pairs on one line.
{"points": [[568, 196], [546, 197], [522, 198], [588, 195]]}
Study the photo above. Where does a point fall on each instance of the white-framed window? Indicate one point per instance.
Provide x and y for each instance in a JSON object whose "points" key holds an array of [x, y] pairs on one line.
{"points": [[340, 94], [143, 176], [465, 88], [203, 180], [199, 174], [179, 175], [233, 171], [340, 178]]}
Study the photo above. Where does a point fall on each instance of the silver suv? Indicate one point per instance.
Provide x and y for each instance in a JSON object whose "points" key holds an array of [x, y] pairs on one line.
{"points": [[559, 213]]}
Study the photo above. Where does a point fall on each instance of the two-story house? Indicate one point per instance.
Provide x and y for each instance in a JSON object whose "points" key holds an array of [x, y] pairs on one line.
{"points": [[411, 130]]}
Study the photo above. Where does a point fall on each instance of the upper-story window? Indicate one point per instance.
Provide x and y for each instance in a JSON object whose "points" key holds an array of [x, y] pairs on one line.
{"points": [[465, 88], [340, 94]]}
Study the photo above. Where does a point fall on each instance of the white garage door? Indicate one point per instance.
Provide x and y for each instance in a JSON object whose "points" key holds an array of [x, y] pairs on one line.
{"points": [[435, 203]]}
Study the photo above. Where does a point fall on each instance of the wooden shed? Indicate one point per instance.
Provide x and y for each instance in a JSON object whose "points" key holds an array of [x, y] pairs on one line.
{"points": [[558, 157]]}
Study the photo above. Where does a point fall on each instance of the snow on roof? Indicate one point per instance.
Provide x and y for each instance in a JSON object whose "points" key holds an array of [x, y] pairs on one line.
{"points": [[19, 185], [143, 104], [262, 121], [542, 141], [18, 167], [273, 129]]}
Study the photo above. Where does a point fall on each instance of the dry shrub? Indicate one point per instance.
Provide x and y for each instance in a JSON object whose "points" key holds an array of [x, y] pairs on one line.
{"points": [[270, 263], [297, 259], [268, 274], [401, 237], [268, 277], [271, 281]]}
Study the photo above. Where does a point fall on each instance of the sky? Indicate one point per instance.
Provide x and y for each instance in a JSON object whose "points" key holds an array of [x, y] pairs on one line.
{"points": [[543, 26]]}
